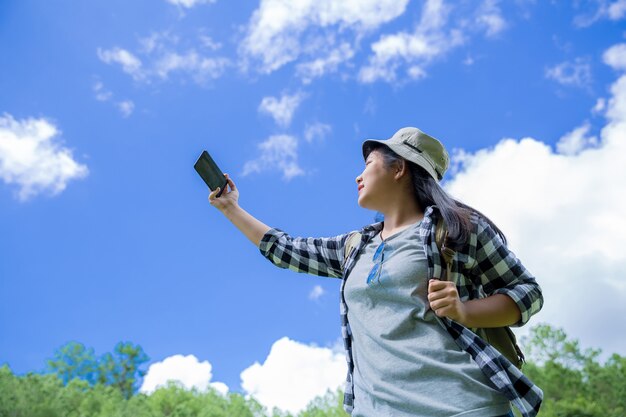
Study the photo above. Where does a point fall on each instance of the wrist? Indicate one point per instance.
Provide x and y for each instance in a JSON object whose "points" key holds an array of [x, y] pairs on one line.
{"points": [[465, 314], [229, 209]]}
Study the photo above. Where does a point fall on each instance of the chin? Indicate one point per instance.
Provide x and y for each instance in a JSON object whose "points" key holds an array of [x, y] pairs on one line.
{"points": [[361, 204]]}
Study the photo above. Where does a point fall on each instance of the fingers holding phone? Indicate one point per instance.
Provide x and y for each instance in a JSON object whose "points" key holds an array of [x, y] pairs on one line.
{"points": [[226, 197], [217, 182]]}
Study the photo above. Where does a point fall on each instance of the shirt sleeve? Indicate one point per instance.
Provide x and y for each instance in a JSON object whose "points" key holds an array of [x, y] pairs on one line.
{"points": [[500, 272], [315, 256]]}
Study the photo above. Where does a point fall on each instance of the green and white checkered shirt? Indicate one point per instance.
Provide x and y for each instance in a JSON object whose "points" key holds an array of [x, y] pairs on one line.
{"points": [[483, 267]]}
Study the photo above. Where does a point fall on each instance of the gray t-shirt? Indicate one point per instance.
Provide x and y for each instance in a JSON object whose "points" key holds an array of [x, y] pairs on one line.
{"points": [[405, 363]]}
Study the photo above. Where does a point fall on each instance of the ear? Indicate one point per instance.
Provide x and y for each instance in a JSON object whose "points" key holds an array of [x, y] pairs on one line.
{"points": [[400, 168]]}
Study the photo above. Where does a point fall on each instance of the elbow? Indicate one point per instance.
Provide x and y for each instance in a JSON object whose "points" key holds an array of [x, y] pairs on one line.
{"points": [[529, 301]]}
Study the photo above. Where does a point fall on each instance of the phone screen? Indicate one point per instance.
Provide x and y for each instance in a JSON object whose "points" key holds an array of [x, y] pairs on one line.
{"points": [[210, 172]]}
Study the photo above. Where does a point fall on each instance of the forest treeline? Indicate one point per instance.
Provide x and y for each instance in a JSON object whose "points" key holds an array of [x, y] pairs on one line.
{"points": [[76, 383]]}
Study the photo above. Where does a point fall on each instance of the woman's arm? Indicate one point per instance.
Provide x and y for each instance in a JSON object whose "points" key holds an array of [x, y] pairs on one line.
{"points": [[315, 256], [228, 204], [250, 226], [501, 273], [497, 310], [513, 295]]}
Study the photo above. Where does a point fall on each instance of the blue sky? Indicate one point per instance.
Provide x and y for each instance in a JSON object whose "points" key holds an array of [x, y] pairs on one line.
{"points": [[107, 234]]}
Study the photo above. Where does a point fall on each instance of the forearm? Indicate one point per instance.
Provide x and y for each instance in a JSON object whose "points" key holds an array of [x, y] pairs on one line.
{"points": [[253, 228], [498, 310]]}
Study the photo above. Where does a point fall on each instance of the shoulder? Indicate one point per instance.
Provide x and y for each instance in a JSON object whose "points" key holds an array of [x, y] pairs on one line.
{"points": [[483, 231]]}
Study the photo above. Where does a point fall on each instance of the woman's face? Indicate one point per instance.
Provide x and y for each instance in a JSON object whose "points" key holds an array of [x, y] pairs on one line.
{"points": [[375, 182]]}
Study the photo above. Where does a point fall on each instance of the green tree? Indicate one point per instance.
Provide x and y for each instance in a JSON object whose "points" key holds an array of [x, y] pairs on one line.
{"points": [[328, 405], [574, 382], [74, 360], [120, 369]]}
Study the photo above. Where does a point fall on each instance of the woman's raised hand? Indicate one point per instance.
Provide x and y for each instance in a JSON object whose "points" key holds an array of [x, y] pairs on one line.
{"points": [[228, 199]]}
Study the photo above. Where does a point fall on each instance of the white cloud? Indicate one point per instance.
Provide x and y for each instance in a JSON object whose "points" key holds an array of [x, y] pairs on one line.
{"points": [[278, 31], [209, 43], [189, 3], [429, 41], [615, 57], [577, 73], [293, 374], [370, 106], [282, 109], [599, 106], [199, 67], [442, 27], [185, 370], [316, 131], [613, 10], [164, 55], [617, 10], [490, 17], [325, 64], [126, 107], [101, 93], [316, 292], [158, 42], [469, 61], [129, 62], [33, 158], [564, 216], [278, 152], [576, 141]]}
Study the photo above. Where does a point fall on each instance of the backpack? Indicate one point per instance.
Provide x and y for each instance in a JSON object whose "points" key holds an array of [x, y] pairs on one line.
{"points": [[501, 338]]}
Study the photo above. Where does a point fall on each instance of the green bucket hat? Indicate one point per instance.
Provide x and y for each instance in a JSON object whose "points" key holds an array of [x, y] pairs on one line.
{"points": [[418, 147]]}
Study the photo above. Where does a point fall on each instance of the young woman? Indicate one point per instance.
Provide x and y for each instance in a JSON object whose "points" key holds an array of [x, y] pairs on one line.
{"points": [[406, 333]]}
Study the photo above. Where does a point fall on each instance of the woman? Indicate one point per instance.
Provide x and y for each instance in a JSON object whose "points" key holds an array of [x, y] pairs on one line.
{"points": [[408, 346]]}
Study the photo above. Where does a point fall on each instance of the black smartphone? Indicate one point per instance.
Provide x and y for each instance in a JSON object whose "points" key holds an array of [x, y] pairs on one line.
{"points": [[210, 172]]}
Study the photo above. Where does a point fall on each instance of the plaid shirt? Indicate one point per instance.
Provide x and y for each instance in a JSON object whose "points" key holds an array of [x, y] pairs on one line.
{"points": [[484, 266]]}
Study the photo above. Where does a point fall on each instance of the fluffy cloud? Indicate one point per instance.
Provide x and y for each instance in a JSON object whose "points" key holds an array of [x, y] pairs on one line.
{"points": [[293, 374], [163, 56], [199, 67], [280, 30], [616, 10], [434, 36], [277, 152], [316, 292], [326, 63], [126, 107], [101, 93], [129, 62], [282, 109], [33, 157], [316, 131], [188, 4], [599, 106], [490, 18], [615, 57], [613, 10], [185, 370], [576, 140], [563, 213], [577, 73]]}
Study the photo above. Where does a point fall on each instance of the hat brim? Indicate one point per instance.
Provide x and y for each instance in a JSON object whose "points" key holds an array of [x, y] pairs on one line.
{"points": [[407, 154]]}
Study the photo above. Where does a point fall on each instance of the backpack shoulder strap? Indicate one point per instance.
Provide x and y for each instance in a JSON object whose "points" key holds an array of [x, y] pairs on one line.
{"points": [[352, 242], [441, 236], [501, 338]]}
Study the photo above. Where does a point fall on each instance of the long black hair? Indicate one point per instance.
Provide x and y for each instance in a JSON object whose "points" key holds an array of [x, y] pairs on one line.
{"points": [[428, 192]]}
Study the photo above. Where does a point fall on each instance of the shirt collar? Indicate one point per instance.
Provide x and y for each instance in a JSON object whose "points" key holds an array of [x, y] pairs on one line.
{"points": [[372, 229]]}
